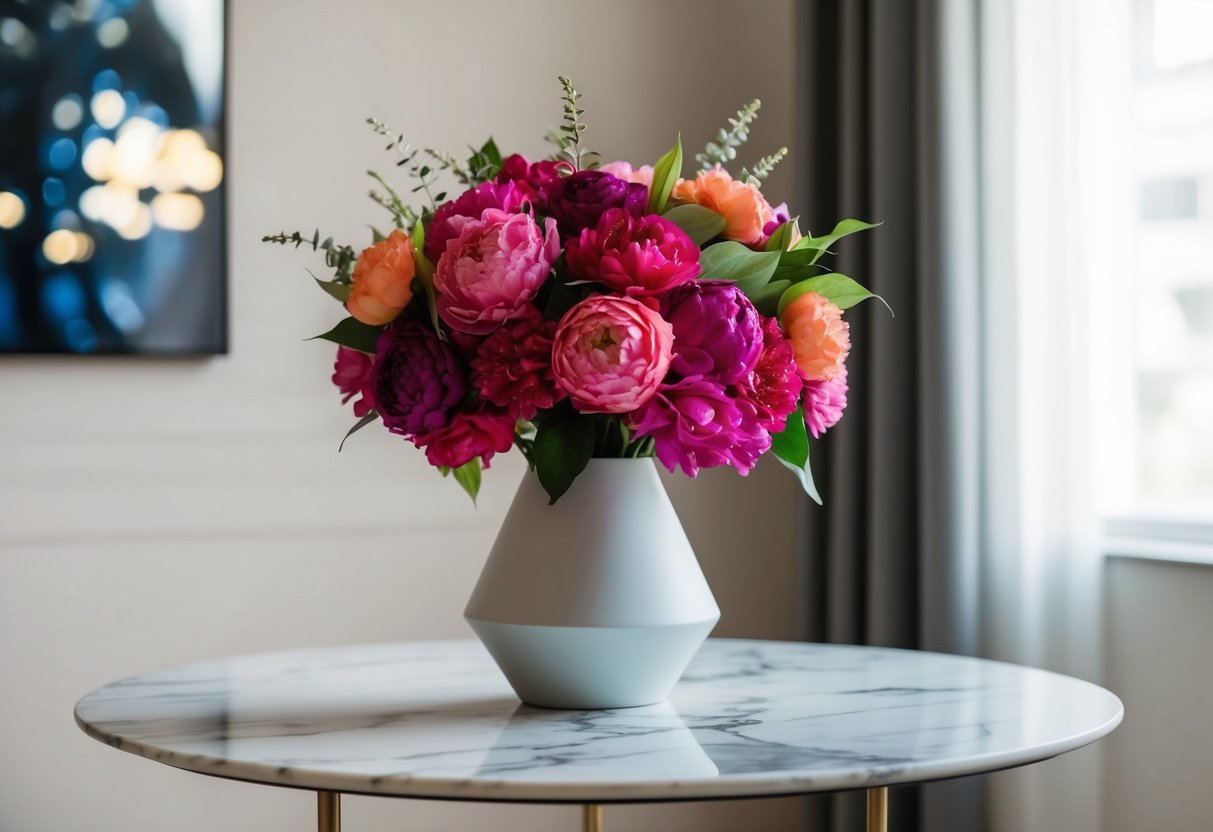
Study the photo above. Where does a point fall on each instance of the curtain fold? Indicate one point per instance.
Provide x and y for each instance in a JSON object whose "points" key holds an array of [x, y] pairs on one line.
{"points": [[888, 133]]}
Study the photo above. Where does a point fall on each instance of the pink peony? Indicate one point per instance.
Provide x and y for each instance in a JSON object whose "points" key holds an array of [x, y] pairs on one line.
{"points": [[648, 255], [774, 385], [824, 402], [625, 171], [353, 373], [493, 269], [610, 353], [513, 368], [696, 423], [470, 434], [717, 330], [449, 216]]}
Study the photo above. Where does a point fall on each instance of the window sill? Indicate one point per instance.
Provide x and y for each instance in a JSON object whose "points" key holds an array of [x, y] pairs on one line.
{"points": [[1152, 538]]}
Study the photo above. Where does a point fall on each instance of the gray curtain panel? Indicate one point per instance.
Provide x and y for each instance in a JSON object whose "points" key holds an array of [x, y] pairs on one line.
{"points": [[888, 559]]}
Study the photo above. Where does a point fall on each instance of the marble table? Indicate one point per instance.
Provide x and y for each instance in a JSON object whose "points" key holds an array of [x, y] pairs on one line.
{"points": [[749, 719]]}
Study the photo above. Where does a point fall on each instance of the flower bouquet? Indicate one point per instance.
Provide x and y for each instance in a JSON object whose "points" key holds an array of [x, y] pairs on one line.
{"points": [[575, 310]]}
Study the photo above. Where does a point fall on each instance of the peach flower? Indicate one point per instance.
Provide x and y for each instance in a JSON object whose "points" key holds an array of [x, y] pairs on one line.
{"points": [[743, 207], [820, 337], [623, 170], [382, 280]]}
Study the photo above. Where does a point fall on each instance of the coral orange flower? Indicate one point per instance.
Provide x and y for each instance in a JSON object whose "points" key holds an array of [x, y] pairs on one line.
{"points": [[382, 280], [820, 337], [745, 211]]}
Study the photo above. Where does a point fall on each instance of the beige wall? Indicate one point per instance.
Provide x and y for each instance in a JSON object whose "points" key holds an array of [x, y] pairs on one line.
{"points": [[154, 512]]}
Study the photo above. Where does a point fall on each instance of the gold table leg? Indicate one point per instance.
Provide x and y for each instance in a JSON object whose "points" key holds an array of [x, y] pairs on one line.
{"points": [[328, 811], [878, 809], [591, 818]]}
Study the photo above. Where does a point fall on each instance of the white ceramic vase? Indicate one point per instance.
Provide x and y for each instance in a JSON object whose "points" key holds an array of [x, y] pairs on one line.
{"points": [[597, 601]]}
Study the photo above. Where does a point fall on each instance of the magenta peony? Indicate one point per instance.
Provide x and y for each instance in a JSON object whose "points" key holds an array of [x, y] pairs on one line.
{"points": [[610, 354], [696, 423], [532, 178], [449, 216], [579, 199], [824, 401], [646, 255], [493, 269], [418, 379], [513, 368], [717, 331], [774, 385], [470, 434], [353, 373]]}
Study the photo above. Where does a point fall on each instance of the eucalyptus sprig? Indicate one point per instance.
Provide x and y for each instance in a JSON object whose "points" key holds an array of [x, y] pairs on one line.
{"points": [[337, 257], [569, 134], [426, 176], [762, 169], [724, 148], [402, 215], [448, 162]]}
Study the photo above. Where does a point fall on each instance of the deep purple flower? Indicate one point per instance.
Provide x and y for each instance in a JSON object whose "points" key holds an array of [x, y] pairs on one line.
{"points": [[696, 423], [717, 331], [824, 401], [532, 178], [418, 379], [450, 216], [774, 385], [577, 201], [637, 256]]}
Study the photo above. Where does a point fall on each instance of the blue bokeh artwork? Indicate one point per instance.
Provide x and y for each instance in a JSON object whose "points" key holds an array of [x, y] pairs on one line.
{"points": [[112, 177]]}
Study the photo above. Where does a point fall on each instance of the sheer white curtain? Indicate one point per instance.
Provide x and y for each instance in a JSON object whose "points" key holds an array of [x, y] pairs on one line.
{"points": [[1047, 95]]}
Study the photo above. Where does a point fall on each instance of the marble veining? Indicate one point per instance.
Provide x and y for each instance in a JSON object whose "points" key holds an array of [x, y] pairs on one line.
{"points": [[437, 719]]}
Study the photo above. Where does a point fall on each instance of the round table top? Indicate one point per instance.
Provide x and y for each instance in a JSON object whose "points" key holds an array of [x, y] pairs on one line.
{"points": [[437, 720]]}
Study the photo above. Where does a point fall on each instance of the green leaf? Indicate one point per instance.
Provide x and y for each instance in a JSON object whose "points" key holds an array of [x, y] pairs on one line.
{"points": [[424, 272], [796, 264], [363, 422], [791, 447], [665, 174], [377, 236], [844, 228], [354, 334], [837, 288], [490, 152], [701, 224], [340, 291], [766, 299], [468, 476], [781, 240], [563, 448], [750, 270]]}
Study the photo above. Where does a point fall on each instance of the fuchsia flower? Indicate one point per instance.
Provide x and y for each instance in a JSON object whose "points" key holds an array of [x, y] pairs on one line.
{"points": [[493, 269], [513, 368], [696, 423], [824, 402], [418, 379], [353, 373], [449, 216], [646, 255], [579, 199], [532, 178], [469, 434], [775, 384], [717, 331], [610, 354]]}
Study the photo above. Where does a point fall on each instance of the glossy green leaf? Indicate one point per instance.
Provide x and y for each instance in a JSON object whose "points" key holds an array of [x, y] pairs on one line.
{"points": [[797, 264], [468, 476], [354, 334], [339, 291], [665, 173], [377, 236], [750, 270], [563, 448], [701, 224], [424, 272], [791, 447], [837, 288], [782, 239], [844, 228], [766, 299], [363, 422]]}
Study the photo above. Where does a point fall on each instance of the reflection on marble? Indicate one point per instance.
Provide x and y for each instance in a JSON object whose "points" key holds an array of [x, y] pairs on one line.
{"points": [[437, 719]]}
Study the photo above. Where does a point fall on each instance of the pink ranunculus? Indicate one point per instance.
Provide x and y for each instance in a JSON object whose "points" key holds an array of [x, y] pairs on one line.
{"points": [[611, 353], [468, 435], [450, 215], [639, 256], [353, 373], [697, 423], [625, 171], [532, 178], [824, 402], [513, 368], [493, 269], [774, 386]]}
